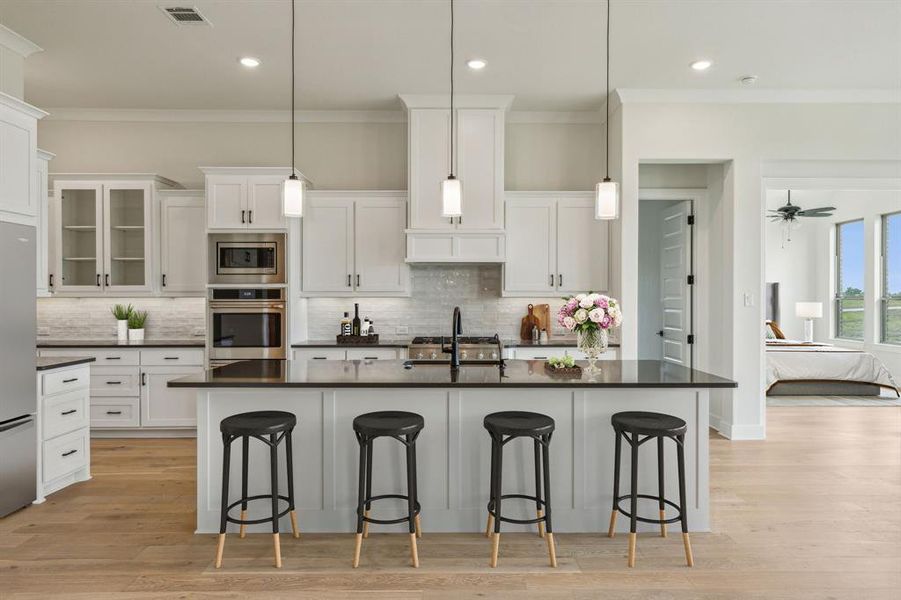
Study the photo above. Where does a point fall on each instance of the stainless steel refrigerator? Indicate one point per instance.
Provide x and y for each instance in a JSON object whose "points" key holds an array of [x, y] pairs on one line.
{"points": [[18, 390]]}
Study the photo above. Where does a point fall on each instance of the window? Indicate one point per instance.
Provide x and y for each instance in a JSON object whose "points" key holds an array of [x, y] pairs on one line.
{"points": [[891, 279], [849, 269]]}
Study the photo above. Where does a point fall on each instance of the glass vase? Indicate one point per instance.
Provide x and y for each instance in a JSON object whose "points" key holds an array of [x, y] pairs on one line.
{"points": [[593, 342]]}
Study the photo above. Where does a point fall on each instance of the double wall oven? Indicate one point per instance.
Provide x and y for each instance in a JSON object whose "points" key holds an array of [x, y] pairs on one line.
{"points": [[247, 323]]}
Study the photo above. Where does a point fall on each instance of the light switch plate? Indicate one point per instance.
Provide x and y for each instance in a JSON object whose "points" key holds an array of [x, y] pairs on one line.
{"points": [[749, 299]]}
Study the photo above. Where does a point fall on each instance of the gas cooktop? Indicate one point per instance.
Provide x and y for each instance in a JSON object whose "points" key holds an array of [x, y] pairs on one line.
{"points": [[472, 348]]}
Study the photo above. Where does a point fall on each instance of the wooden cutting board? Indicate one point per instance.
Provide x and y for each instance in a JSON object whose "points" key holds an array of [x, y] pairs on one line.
{"points": [[528, 322]]}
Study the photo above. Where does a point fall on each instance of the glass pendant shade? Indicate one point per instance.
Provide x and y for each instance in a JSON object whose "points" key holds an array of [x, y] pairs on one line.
{"points": [[292, 197], [451, 197], [606, 200]]}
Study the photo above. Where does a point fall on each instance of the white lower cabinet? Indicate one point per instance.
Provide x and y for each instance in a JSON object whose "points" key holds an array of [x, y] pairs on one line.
{"points": [[128, 391], [64, 451], [374, 353], [558, 352]]}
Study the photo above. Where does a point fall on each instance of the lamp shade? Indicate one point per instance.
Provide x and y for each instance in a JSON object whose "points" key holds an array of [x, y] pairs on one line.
{"points": [[292, 197], [451, 197], [606, 200], [809, 310]]}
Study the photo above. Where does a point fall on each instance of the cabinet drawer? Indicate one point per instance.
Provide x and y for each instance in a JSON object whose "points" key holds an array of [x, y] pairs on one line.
{"points": [[63, 413], [64, 454], [172, 358], [103, 357], [115, 412], [319, 354], [65, 380], [545, 353], [372, 354], [115, 381]]}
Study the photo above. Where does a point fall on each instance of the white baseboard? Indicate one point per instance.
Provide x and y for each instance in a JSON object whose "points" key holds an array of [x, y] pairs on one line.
{"points": [[738, 432], [143, 433]]}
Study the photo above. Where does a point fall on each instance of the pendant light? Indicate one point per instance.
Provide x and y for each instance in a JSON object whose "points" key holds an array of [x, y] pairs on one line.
{"points": [[451, 189], [292, 187], [606, 199]]}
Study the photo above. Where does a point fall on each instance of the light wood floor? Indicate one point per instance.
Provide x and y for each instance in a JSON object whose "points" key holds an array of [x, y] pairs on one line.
{"points": [[813, 512]]}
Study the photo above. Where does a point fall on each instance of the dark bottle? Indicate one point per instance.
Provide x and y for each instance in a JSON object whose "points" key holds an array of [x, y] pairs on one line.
{"points": [[356, 322]]}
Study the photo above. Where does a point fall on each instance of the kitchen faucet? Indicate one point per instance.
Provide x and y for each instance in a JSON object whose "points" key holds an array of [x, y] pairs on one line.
{"points": [[456, 329]]}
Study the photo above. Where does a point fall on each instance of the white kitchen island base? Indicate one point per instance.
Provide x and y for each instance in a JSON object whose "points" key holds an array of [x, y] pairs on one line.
{"points": [[453, 455]]}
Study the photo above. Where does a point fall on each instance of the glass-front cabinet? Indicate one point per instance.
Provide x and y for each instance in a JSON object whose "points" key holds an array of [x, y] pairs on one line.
{"points": [[102, 241]]}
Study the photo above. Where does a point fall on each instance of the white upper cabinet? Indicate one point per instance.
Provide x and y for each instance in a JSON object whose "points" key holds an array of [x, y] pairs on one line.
{"points": [[478, 133], [102, 233], [246, 197], [182, 242], [18, 160], [353, 242], [555, 244]]}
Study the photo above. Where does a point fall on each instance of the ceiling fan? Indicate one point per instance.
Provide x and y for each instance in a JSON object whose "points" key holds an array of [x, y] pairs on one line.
{"points": [[790, 214]]}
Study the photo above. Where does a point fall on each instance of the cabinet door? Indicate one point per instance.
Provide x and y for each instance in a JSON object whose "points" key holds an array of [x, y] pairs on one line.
{"points": [[163, 406], [264, 203], [429, 137], [182, 245], [126, 237], [43, 247], [380, 246], [18, 145], [481, 167], [328, 240], [582, 248], [78, 236], [531, 246], [226, 201]]}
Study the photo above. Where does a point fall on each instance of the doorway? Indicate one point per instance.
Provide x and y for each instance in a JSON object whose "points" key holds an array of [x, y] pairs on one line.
{"points": [[666, 281]]}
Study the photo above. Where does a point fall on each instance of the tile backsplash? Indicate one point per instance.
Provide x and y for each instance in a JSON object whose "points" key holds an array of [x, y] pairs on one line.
{"points": [[476, 289], [90, 318]]}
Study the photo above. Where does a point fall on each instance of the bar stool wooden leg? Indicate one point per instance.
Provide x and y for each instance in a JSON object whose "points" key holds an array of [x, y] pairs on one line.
{"points": [[366, 524], [495, 546], [242, 533], [632, 543], [273, 463], [539, 514], [220, 547], [551, 550], [289, 463], [223, 514], [358, 543], [546, 461], [611, 531], [294, 529], [689, 558], [414, 552], [277, 546], [489, 526], [418, 527]]}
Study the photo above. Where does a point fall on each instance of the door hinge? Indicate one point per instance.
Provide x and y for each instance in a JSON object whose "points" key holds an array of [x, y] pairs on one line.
{"points": [[691, 280], [691, 339], [691, 219]]}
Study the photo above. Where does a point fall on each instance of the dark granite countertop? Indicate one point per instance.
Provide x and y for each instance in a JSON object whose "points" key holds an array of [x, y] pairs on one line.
{"points": [[386, 342], [45, 363], [392, 374], [195, 342]]}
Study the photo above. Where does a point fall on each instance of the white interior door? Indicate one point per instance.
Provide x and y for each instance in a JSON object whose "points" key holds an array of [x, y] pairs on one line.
{"points": [[380, 246], [675, 268], [328, 245]]}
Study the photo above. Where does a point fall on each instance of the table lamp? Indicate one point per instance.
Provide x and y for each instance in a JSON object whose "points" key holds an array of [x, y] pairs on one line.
{"points": [[808, 311]]}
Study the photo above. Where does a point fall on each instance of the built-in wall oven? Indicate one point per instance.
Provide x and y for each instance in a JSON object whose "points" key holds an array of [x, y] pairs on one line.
{"points": [[246, 324], [246, 258]]}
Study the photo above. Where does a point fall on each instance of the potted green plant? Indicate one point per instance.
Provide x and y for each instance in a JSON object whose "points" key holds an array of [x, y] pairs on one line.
{"points": [[136, 321], [122, 312]]}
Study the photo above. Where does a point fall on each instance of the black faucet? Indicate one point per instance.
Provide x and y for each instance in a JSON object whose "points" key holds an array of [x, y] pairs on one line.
{"points": [[456, 329]]}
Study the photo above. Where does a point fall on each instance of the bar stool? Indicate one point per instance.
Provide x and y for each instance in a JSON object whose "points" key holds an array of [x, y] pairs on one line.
{"points": [[277, 426], [405, 428], [653, 426], [516, 424]]}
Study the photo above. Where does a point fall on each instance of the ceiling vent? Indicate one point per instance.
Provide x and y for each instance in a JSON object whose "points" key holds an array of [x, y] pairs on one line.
{"points": [[181, 15]]}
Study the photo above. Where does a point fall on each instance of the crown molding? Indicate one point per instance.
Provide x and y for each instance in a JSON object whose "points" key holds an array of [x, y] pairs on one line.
{"points": [[762, 96], [45, 155], [21, 106], [495, 101], [549, 116], [18, 44]]}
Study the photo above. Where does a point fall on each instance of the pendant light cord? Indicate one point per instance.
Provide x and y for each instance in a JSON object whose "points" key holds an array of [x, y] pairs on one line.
{"points": [[607, 101], [293, 35], [451, 156]]}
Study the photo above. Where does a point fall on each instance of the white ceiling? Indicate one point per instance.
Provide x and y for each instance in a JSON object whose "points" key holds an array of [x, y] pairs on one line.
{"points": [[359, 54]]}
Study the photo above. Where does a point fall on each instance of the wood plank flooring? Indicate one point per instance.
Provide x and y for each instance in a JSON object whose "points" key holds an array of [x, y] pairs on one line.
{"points": [[813, 512]]}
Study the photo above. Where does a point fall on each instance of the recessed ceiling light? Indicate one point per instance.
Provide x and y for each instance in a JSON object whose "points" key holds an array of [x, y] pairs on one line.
{"points": [[476, 64], [748, 80], [249, 61], [701, 65]]}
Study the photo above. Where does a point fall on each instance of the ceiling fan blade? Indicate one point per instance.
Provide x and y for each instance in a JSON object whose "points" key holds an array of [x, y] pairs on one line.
{"points": [[819, 209], [808, 216]]}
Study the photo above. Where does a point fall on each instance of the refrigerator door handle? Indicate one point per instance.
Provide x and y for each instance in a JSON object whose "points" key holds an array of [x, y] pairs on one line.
{"points": [[14, 424]]}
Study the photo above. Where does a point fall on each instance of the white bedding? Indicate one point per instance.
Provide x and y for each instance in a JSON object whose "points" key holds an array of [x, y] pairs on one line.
{"points": [[790, 360]]}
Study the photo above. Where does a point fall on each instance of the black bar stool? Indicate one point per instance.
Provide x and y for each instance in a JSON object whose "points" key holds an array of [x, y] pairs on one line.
{"points": [[631, 426], [516, 424], [405, 428], [276, 426]]}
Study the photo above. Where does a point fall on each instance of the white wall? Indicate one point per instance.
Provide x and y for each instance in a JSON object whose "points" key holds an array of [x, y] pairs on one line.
{"points": [[347, 156], [742, 137], [657, 175]]}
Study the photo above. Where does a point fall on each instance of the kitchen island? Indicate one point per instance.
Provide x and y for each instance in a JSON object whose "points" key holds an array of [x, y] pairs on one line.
{"points": [[454, 448]]}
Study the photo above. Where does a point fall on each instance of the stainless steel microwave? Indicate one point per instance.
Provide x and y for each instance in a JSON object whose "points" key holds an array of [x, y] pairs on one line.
{"points": [[242, 258]]}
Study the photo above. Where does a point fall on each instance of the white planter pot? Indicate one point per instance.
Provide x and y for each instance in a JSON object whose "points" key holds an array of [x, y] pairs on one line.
{"points": [[135, 335], [122, 330]]}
